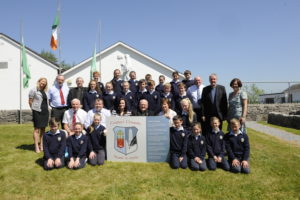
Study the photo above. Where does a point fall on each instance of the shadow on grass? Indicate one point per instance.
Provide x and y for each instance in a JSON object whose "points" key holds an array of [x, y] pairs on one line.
{"points": [[40, 162], [28, 147]]}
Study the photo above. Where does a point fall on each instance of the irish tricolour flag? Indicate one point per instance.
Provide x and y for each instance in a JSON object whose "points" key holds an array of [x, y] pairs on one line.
{"points": [[54, 38]]}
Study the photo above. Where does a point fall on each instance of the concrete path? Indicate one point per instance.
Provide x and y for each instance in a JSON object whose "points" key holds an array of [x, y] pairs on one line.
{"points": [[274, 132]]}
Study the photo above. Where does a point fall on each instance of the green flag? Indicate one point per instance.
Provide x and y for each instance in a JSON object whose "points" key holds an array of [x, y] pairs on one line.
{"points": [[26, 72], [93, 66]]}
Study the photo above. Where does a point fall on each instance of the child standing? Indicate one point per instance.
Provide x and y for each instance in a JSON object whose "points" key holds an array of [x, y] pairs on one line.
{"points": [[54, 144], [216, 146], [97, 141], [77, 147], [178, 144], [197, 148], [238, 148]]}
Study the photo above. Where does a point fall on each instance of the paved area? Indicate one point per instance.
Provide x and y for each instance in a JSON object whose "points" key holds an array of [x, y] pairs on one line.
{"points": [[274, 132]]}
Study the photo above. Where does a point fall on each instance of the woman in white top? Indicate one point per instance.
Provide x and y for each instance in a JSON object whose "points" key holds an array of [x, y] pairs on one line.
{"points": [[39, 104], [122, 108], [166, 111]]}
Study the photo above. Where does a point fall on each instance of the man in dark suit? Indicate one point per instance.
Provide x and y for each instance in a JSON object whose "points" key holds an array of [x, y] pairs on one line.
{"points": [[77, 92], [214, 102]]}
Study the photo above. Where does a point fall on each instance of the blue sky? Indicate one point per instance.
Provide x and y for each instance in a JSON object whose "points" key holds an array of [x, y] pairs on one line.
{"points": [[255, 40]]}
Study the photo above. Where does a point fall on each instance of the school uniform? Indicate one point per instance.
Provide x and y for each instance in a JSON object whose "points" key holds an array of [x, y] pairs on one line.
{"points": [[101, 87], [54, 145], [169, 96], [141, 95], [185, 120], [174, 87], [117, 84], [178, 147], [77, 148], [160, 88], [96, 143], [109, 100], [188, 83], [89, 100], [130, 99], [133, 85], [154, 101], [177, 100], [197, 148], [215, 145], [238, 147]]}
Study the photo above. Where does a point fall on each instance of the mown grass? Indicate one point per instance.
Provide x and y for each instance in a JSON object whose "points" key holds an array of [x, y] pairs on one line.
{"points": [[290, 130], [275, 174]]}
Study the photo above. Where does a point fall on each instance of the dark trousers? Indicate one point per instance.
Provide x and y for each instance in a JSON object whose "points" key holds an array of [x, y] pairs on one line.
{"points": [[62, 159], [174, 162], [99, 158], [239, 168], [196, 166], [82, 163], [212, 165], [58, 114]]}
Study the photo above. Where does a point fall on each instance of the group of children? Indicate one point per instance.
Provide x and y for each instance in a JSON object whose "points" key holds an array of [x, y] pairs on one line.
{"points": [[187, 148], [191, 148]]}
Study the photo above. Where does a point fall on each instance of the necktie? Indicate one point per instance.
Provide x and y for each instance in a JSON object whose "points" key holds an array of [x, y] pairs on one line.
{"points": [[62, 98], [74, 119]]}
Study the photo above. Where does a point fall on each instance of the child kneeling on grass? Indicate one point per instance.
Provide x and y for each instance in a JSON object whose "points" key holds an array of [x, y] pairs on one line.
{"points": [[216, 146], [77, 147], [54, 144], [238, 148], [197, 148], [97, 140], [178, 144]]}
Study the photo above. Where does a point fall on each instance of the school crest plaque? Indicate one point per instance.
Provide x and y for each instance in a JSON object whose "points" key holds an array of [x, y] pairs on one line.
{"points": [[125, 139]]}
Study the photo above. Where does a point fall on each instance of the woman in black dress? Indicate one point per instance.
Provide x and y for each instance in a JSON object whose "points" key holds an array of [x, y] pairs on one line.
{"points": [[38, 102]]}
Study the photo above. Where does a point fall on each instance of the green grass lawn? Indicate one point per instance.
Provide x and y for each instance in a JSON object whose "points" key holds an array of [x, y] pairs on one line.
{"points": [[290, 130], [275, 174]]}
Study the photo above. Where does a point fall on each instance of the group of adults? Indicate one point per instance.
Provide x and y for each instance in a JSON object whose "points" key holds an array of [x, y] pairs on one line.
{"points": [[189, 98]]}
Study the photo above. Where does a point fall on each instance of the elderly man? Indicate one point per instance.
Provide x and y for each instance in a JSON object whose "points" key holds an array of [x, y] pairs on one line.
{"points": [[77, 92], [194, 93], [58, 94], [73, 115], [214, 102], [99, 108], [143, 109]]}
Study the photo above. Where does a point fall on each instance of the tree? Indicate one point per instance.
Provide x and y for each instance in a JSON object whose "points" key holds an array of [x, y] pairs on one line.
{"points": [[49, 56], [253, 93]]}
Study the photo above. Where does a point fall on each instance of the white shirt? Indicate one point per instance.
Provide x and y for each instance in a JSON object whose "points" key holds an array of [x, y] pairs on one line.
{"points": [[90, 117], [68, 117], [171, 114], [194, 93]]}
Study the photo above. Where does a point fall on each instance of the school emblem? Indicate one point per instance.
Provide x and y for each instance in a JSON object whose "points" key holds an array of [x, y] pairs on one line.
{"points": [[97, 95], [125, 140], [114, 97], [242, 139], [201, 142], [155, 96], [221, 137], [59, 139], [81, 141], [130, 97], [182, 134], [137, 83]]}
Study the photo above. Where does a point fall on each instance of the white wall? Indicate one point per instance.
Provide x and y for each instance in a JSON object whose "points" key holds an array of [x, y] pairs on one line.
{"points": [[10, 77], [109, 63]]}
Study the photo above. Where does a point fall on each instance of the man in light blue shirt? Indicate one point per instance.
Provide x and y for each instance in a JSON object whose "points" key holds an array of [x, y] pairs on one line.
{"points": [[194, 93], [58, 94]]}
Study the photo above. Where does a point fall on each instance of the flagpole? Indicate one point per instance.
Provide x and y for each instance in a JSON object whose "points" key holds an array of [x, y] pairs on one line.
{"points": [[58, 37], [21, 73], [100, 49]]}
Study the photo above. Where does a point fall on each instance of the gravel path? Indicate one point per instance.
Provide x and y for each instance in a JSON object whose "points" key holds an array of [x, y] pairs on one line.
{"points": [[274, 132]]}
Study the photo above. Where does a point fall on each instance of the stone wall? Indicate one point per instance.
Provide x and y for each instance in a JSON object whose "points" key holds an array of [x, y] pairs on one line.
{"points": [[256, 112], [259, 112], [12, 116], [291, 121]]}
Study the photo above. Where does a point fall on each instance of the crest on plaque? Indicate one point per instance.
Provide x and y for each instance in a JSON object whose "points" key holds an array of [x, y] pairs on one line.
{"points": [[125, 139]]}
